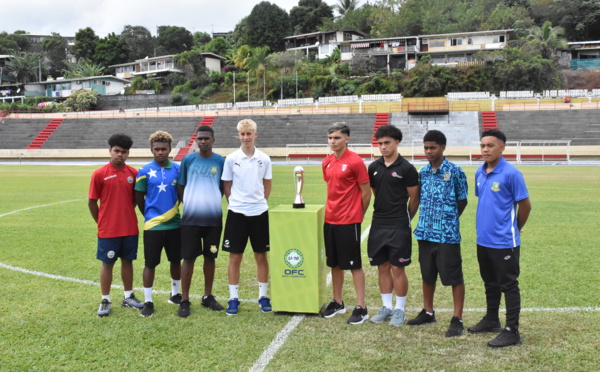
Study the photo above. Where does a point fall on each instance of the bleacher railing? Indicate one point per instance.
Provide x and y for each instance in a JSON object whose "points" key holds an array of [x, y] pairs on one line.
{"points": [[530, 151], [307, 151]]}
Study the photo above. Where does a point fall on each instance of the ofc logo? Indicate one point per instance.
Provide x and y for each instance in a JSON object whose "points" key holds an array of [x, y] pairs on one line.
{"points": [[293, 259]]}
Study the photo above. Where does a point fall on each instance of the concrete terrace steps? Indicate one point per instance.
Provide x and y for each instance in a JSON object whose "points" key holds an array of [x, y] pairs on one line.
{"points": [[18, 133]]}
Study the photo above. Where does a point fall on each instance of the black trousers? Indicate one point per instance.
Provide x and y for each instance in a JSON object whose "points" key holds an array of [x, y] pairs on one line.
{"points": [[499, 269]]}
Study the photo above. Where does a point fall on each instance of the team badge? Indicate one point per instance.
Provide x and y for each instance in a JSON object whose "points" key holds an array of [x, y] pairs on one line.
{"points": [[344, 167], [130, 179], [174, 182], [213, 249], [213, 170], [396, 175], [446, 176], [496, 186]]}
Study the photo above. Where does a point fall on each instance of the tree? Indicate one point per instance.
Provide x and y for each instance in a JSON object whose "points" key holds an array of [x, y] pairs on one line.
{"points": [[240, 33], [267, 25], [308, 15], [83, 67], [110, 50], [218, 46], [549, 37], [143, 83], [55, 49], [240, 56], [85, 44], [257, 60], [353, 19], [82, 100], [24, 67], [580, 18], [174, 39], [202, 38], [137, 41], [13, 43], [345, 6]]}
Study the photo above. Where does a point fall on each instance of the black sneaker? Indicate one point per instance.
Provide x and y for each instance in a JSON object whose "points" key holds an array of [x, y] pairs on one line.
{"points": [[175, 299], [184, 309], [211, 302], [456, 327], [358, 316], [485, 326], [422, 318], [507, 337], [333, 309], [148, 309]]}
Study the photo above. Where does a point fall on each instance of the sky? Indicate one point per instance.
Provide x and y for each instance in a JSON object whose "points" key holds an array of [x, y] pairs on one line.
{"points": [[104, 16]]}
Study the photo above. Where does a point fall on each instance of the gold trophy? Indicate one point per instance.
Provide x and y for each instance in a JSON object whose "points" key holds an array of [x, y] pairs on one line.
{"points": [[298, 183]]}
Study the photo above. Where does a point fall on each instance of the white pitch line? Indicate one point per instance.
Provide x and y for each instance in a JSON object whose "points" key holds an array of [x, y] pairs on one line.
{"points": [[39, 206], [276, 344]]}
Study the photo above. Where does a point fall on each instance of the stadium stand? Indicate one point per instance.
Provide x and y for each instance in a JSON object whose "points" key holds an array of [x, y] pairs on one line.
{"points": [[183, 151], [380, 121], [18, 133], [489, 120]]}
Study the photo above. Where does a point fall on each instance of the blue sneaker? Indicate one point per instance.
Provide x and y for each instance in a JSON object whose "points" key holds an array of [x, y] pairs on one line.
{"points": [[265, 304], [233, 305]]}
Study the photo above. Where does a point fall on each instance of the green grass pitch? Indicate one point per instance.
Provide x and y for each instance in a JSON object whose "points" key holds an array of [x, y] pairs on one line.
{"points": [[50, 323]]}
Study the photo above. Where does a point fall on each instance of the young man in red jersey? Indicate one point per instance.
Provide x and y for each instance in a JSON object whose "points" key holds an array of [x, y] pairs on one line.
{"points": [[113, 185], [348, 197]]}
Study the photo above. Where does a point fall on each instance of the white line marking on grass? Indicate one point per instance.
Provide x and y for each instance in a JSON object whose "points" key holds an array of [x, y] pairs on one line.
{"points": [[39, 206], [276, 344]]}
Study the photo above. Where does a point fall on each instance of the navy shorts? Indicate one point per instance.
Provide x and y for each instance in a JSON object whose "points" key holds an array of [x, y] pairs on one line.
{"points": [[155, 240], [109, 249], [200, 241], [239, 228], [342, 246], [390, 245]]}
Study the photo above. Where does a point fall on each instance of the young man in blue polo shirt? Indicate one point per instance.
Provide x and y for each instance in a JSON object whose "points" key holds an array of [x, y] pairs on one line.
{"points": [[502, 211], [443, 196], [246, 179], [156, 196]]}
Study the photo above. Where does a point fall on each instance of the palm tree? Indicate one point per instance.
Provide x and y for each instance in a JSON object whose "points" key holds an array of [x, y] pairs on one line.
{"points": [[83, 68], [550, 37], [258, 61], [24, 67], [344, 6]]}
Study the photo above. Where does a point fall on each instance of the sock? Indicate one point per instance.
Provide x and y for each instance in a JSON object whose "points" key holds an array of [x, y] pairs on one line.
{"points": [[107, 297], [175, 284], [262, 289], [233, 291], [400, 301], [148, 294], [386, 298], [428, 313], [128, 294]]}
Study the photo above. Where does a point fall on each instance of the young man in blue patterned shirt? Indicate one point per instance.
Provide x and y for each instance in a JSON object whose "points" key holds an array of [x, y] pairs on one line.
{"points": [[443, 195]]}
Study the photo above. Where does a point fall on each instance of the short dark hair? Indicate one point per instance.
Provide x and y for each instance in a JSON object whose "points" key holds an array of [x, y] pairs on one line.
{"points": [[435, 136], [391, 131], [494, 133], [206, 128], [122, 140], [341, 126]]}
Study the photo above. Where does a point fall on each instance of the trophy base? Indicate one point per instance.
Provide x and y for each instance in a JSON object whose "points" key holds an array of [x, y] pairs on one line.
{"points": [[298, 205]]}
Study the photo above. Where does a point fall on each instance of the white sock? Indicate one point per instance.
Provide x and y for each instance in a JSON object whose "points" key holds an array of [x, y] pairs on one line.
{"points": [[400, 301], [148, 294], [175, 284], [386, 298], [233, 291], [262, 289], [128, 293], [106, 297]]}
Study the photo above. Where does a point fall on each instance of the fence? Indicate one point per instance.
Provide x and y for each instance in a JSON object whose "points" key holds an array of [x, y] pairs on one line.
{"points": [[337, 100], [381, 97], [517, 94], [468, 96], [320, 151], [296, 102], [530, 150]]}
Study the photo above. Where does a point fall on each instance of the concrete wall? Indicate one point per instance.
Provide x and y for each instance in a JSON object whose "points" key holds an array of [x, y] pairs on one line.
{"points": [[133, 101]]}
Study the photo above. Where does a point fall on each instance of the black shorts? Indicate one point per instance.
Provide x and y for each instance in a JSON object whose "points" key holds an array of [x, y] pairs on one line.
{"points": [[389, 245], [200, 240], [342, 246], [155, 240], [441, 258], [238, 228]]}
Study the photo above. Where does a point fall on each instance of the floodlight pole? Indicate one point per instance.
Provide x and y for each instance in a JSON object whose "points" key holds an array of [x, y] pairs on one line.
{"points": [[296, 84], [234, 88]]}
